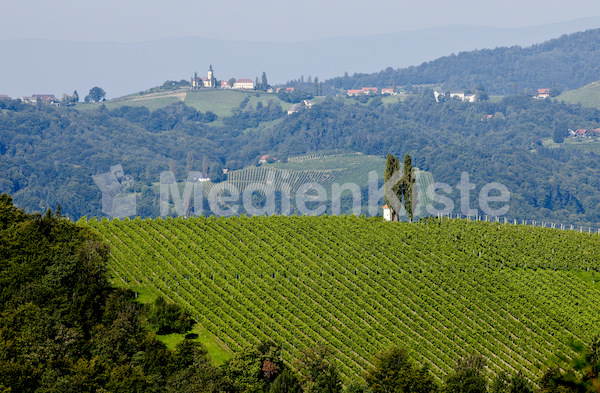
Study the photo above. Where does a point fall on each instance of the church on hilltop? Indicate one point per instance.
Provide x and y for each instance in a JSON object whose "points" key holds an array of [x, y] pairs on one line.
{"points": [[209, 82]]}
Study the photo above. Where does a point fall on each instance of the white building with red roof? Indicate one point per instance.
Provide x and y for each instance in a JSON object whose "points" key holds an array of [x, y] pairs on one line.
{"points": [[387, 213], [244, 84], [543, 93]]}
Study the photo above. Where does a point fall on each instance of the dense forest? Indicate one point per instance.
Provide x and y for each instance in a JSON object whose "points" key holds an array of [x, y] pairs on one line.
{"points": [[565, 63], [48, 154], [64, 328]]}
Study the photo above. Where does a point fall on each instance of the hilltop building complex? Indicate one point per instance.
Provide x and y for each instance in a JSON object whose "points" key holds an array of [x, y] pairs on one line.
{"points": [[210, 82]]}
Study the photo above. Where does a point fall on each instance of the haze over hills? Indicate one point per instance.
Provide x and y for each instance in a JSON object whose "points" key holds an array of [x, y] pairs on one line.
{"points": [[563, 63], [56, 67]]}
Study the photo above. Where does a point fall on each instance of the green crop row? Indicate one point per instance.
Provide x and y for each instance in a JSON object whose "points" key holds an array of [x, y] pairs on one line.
{"points": [[516, 294]]}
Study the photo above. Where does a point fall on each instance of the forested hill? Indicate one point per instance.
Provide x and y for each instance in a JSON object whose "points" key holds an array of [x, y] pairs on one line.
{"points": [[568, 62], [48, 155]]}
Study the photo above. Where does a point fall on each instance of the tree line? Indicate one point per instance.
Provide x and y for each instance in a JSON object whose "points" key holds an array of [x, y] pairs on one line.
{"points": [[445, 138], [564, 63]]}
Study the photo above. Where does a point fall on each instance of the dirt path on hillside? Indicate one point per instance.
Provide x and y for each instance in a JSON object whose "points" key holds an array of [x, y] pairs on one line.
{"points": [[180, 95]]}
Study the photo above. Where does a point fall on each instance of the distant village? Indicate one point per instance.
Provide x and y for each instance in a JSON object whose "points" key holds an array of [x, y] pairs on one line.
{"points": [[210, 82]]}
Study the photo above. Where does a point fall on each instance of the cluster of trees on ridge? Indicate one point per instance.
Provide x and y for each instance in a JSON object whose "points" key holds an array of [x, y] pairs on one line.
{"points": [[65, 328], [48, 154], [566, 63]]}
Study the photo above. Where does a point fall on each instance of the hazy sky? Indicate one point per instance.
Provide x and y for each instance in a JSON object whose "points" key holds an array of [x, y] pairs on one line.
{"points": [[268, 20]]}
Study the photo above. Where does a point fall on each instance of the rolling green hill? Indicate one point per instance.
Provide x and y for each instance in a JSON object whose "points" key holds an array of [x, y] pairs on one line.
{"points": [[220, 102], [588, 95], [516, 294]]}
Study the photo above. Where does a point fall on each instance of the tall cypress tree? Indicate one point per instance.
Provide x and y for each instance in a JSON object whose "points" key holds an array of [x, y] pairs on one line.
{"points": [[264, 85], [408, 188], [392, 165]]}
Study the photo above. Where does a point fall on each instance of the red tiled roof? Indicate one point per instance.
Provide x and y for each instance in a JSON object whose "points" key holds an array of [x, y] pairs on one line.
{"points": [[543, 91], [244, 81], [354, 91], [46, 97], [287, 89]]}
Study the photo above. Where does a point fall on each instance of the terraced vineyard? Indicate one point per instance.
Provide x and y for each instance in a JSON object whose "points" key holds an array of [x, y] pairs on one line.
{"points": [[274, 178], [516, 294], [323, 169]]}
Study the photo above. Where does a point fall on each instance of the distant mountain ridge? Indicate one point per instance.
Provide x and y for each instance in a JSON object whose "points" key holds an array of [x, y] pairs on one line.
{"points": [[568, 62], [44, 66]]}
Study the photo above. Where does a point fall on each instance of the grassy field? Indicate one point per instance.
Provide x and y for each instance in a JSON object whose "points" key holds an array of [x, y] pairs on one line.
{"points": [[441, 288], [220, 102], [588, 95], [151, 102], [219, 353], [574, 144]]}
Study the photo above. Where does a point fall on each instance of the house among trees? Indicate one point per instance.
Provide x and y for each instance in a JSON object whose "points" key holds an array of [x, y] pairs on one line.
{"points": [[456, 94], [204, 177], [543, 93], [265, 159], [287, 89], [4, 97], [364, 90], [44, 98]]}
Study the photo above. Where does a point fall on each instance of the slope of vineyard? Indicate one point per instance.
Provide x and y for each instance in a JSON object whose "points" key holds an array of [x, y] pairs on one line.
{"points": [[517, 294], [324, 169]]}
